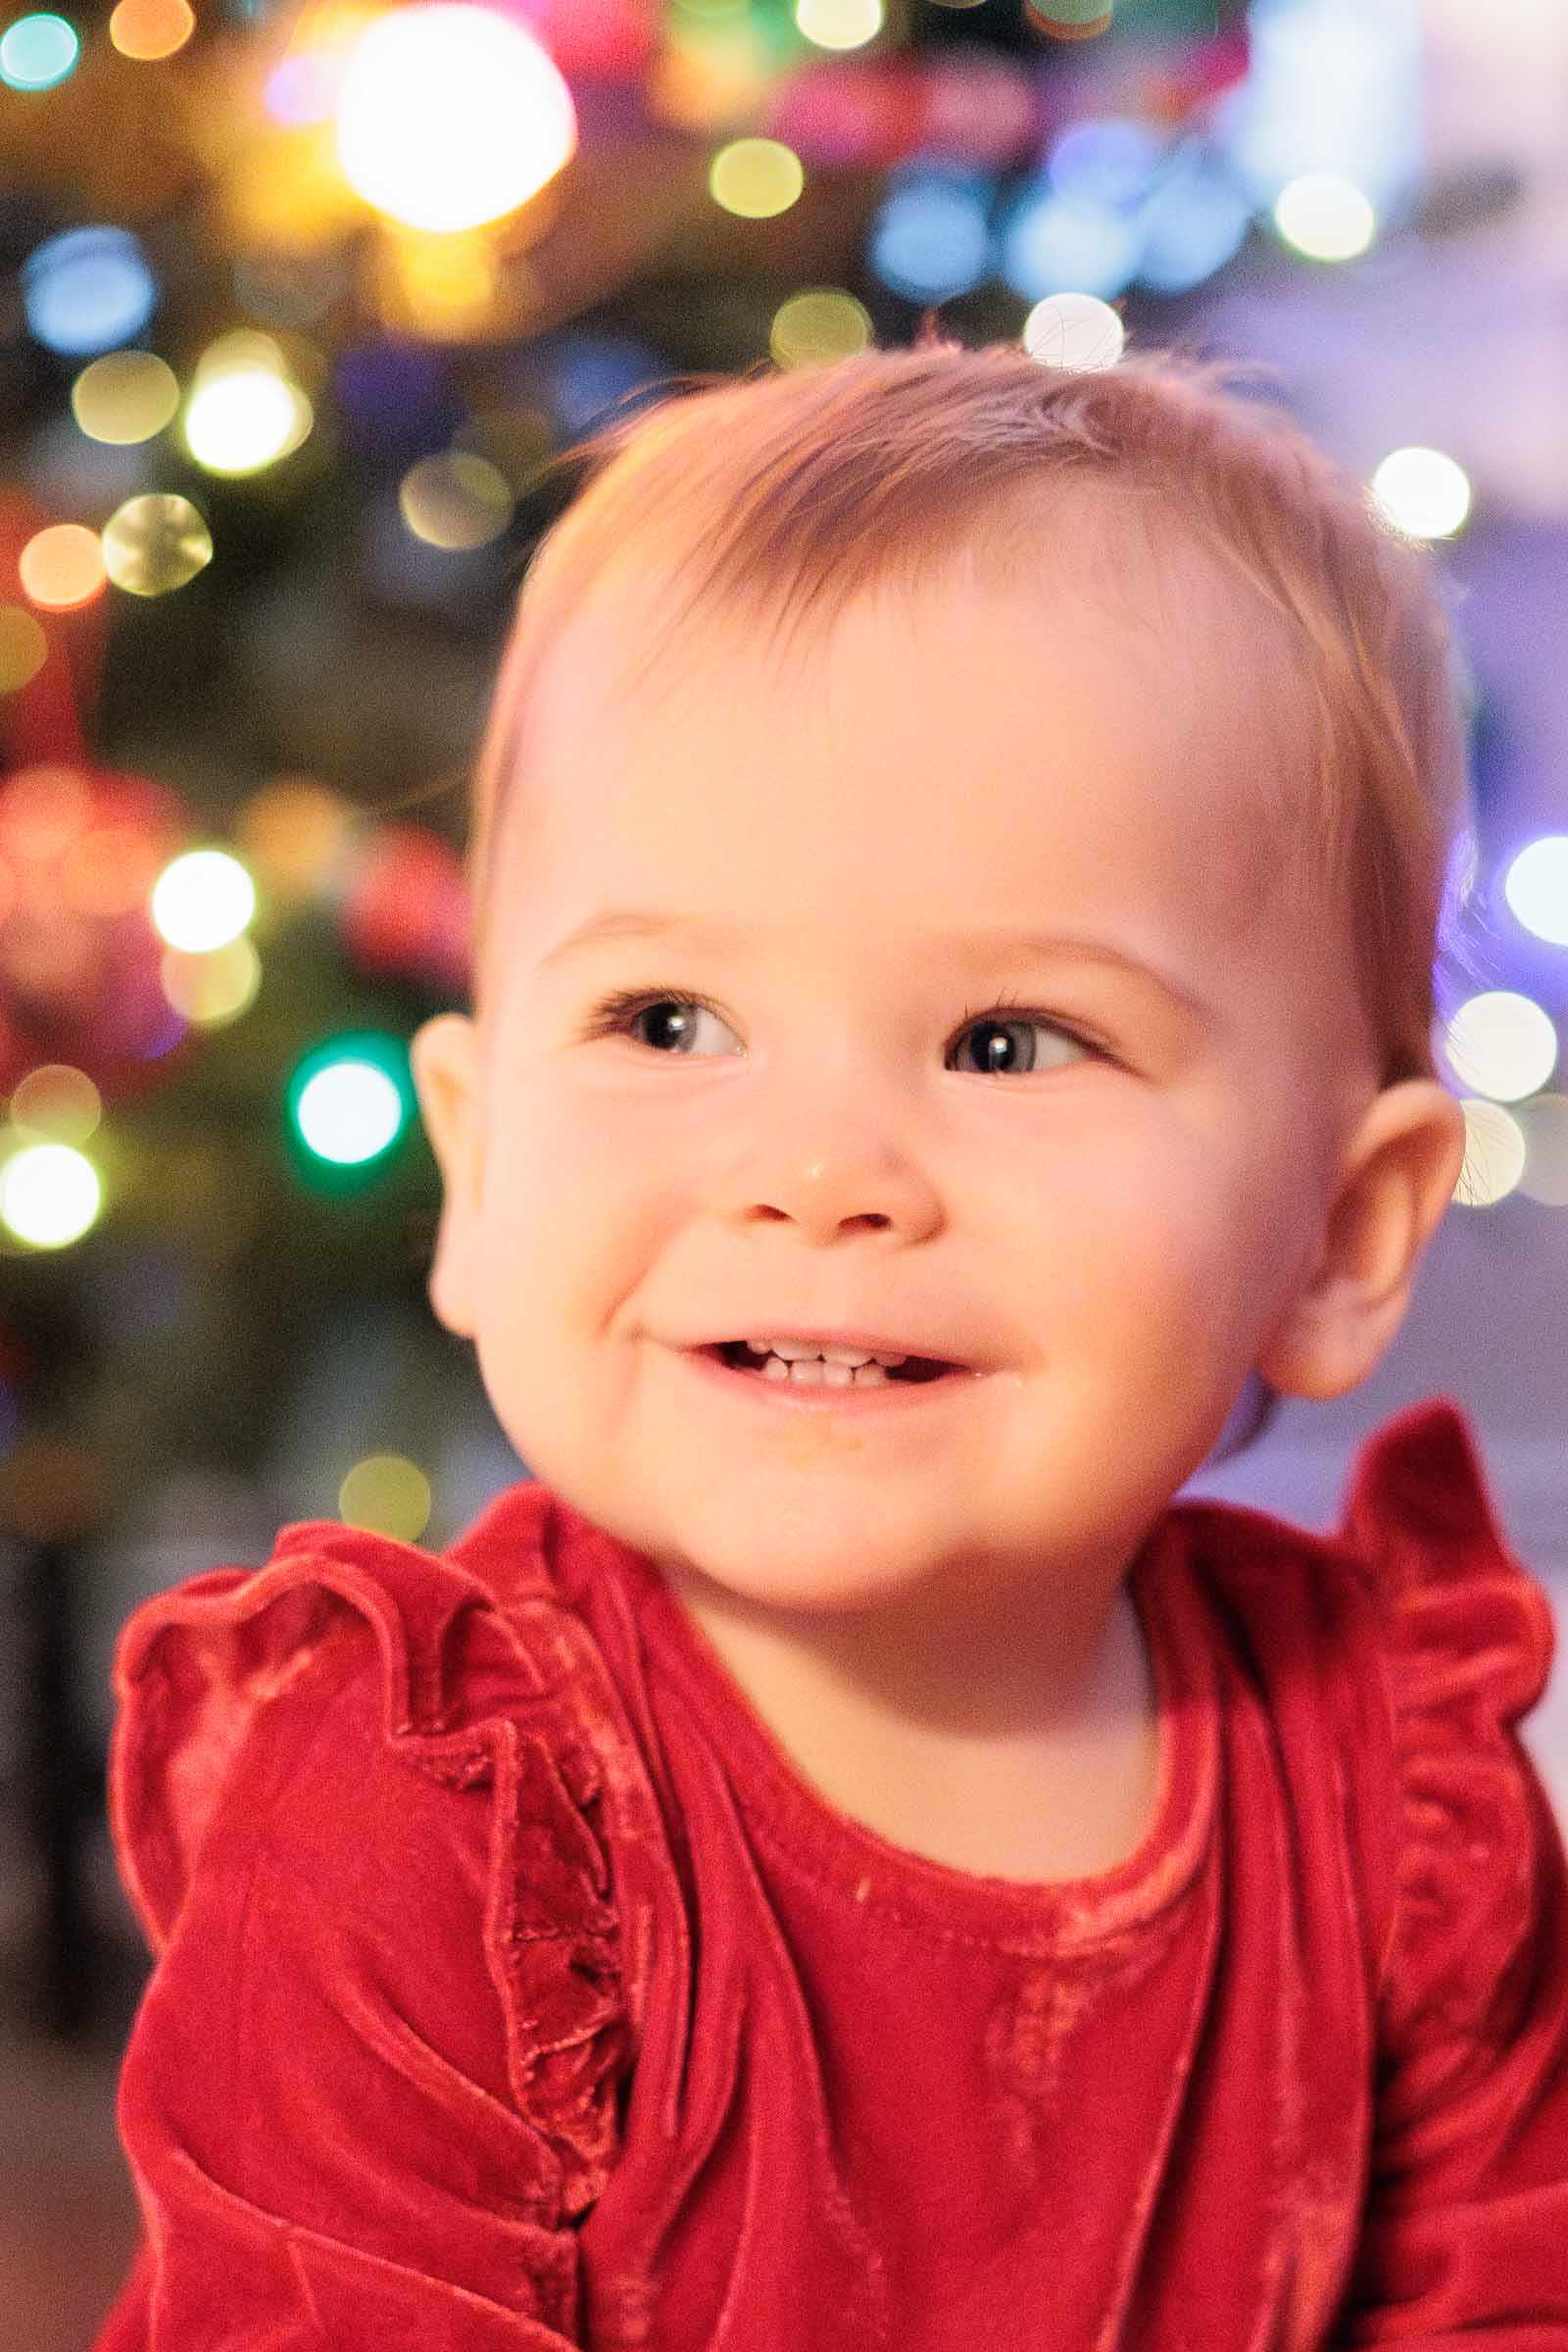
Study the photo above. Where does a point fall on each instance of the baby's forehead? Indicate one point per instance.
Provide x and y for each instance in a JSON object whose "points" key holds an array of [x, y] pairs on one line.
{"points": [[1182, 644]]}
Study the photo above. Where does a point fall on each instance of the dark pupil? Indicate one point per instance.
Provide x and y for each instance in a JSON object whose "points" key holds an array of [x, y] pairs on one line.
{"points": [[992, 1031]]}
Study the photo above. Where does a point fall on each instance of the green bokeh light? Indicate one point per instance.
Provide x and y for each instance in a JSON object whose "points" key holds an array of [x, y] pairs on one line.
{"points": [[39, 51]]}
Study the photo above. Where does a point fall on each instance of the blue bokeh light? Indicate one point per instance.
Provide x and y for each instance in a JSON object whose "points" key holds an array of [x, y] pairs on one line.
{"points": [[1196, 220], [88, 290], [931, 238], [1058, 244]]}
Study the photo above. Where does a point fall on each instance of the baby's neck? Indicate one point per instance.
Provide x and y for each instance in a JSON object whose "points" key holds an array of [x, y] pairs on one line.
{"points": [[1067, 1793]]}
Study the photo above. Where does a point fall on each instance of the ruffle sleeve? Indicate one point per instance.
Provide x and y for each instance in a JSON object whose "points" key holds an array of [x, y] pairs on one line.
{"points": [[371, 2084], [1465, 2232]]}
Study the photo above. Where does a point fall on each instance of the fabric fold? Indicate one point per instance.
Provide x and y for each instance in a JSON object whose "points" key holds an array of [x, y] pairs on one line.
{"points": [[463, 1704]]}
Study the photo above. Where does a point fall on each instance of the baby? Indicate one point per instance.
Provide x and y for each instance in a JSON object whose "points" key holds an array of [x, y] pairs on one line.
{"points": [[865, 1866]]}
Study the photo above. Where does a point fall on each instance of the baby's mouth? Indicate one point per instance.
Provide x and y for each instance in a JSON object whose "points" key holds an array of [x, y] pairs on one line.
{"points": [[739, 1356]]}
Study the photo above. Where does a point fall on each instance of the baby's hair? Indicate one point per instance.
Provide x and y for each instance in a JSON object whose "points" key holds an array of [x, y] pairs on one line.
{"points": [[781, 494]]}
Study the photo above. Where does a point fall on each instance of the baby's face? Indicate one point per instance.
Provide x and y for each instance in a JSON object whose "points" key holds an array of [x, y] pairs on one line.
{"points": [[1099, 1190]]}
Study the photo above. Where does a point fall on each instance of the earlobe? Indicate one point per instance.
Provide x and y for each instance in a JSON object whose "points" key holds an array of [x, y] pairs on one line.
{"points": [[443, 1055], [1397, 1178]]}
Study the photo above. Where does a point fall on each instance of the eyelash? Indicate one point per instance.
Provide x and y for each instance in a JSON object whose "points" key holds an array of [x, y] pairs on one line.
{"points": [[614, 1013]]}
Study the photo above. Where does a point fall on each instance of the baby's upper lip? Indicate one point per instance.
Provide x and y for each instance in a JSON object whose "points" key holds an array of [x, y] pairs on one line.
{"points": [[872, 1341]]}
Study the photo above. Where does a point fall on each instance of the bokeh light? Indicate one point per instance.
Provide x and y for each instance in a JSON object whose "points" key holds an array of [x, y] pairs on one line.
{"points": [[1195, 221], [930, 240], [817, 325], [755, 178], [840, 23], [389, 1494], [451, 114], [1422, 493], [455, 500], [38, 51], [1327, 219], [202, 901], [1501, 1045], [208, 990], [1536, 887], [56, 1104], [1054, 244], [155, 544], [295, 833], [244, 411], [86, 290], [150, 29], [1544, 1123], [349, 1099], [1074, 330], [61, 566], [50, 1195], [125, 397], [1495, 1155], [23, 648]]}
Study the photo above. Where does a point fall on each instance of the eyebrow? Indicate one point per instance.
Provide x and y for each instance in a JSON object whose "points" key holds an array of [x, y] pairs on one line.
{"points": [[975, 950]]}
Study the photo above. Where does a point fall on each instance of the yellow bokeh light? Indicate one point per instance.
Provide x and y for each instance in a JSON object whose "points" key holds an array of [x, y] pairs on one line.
{"points": [[455, 501], [443, 287], [243, 419], [757, 179], [50, 1195], [283, 192], [707, 78], [202, 901], [817, 325], [294, 831], [125, 397], [23, 648], [840, 23], [149, 29], [155, 544], [450, 115], [211, 989], [56, 1104], [387, 1493], [61, 566]]}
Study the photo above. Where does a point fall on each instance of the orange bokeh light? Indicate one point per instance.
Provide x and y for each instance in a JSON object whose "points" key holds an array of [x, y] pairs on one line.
{"points": [[151, 29], [62, 565]]}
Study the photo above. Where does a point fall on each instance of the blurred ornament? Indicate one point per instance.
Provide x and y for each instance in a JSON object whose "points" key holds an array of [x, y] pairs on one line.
{"points": [[980, 109], [450, 115], [611, 40], [155, 544], [80, 849], [405, 907]]}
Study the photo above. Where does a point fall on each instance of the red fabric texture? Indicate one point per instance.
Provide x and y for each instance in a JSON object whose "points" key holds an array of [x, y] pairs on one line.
{"points": [[512, 1989]]}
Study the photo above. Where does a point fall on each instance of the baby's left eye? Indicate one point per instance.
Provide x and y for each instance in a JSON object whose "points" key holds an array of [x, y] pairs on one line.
{"points": [[1001, 1020]]}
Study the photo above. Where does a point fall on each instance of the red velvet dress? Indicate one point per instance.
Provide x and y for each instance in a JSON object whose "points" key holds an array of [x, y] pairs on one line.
{"points": [[512, 1989]]}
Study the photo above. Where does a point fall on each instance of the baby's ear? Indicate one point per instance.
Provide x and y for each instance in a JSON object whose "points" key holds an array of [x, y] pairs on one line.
{"points": [[443, 1057], [1396, 1180]]}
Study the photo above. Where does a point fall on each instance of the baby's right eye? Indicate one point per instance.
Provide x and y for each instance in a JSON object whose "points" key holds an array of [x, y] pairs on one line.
{"points": [[618, 1012]]}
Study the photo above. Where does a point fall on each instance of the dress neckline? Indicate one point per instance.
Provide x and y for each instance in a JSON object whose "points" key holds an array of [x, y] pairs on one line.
{"points": [[806, 1833]]}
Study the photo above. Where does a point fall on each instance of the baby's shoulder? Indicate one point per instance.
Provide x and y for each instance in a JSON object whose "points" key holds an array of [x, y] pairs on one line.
{"points": [[1394, 1656], [1418, 1570], [345, 1659]]}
